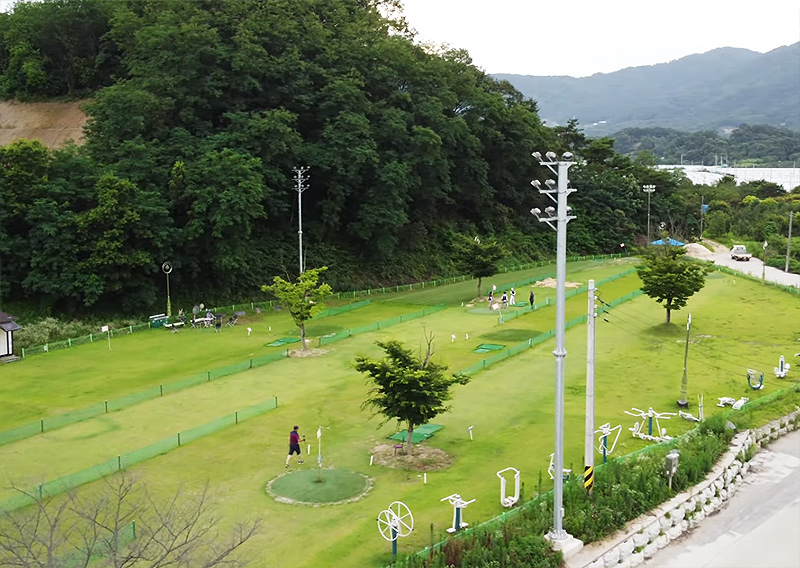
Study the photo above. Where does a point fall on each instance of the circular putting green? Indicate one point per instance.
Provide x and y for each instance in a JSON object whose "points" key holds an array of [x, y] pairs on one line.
{"points": [[303, 487]]}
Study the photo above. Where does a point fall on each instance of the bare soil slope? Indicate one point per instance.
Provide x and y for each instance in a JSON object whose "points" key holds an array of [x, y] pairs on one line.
{"points": [[51, 123]]}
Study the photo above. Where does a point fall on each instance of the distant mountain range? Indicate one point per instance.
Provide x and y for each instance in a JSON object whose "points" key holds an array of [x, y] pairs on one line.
{"points": [[717, 90]]}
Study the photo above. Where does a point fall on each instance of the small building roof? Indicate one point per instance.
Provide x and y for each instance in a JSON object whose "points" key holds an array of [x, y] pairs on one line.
{"points": [[7, 322]]}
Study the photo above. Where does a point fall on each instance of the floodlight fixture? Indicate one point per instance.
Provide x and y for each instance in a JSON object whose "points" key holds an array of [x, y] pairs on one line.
{"points": [[551, 156]]}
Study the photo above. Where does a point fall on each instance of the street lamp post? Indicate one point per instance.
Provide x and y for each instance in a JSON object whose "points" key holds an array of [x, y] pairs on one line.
{"points": [[764, 263], [648, 189], [561, 216], [300, 186], [166, 268]]}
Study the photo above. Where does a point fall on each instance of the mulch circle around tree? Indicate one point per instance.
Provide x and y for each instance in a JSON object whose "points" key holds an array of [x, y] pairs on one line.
{"points": [[425, 458], [303, 487]]}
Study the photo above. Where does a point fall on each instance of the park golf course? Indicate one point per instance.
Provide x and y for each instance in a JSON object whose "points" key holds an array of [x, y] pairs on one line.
{"points": [[736, 324]]}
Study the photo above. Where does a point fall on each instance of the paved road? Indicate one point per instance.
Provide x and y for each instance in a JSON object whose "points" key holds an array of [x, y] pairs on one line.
{"points": [[759, 527], [754, 266]]}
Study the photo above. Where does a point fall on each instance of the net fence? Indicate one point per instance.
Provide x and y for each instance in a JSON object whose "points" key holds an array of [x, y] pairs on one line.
{"points": [[123, 461], [378, 325], [542, 337]]}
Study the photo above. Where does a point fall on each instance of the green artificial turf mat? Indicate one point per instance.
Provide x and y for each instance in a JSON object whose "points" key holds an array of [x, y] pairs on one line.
{"points": [[304, 488], [283, 341], [486, 347], [420, 433]]}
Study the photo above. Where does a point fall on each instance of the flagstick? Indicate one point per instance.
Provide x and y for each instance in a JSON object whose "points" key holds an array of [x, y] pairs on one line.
{"points": [[319, 454]]}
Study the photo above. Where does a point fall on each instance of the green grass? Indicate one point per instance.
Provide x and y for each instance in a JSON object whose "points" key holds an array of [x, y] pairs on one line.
{"points": [[311, 486], [510, 406]]}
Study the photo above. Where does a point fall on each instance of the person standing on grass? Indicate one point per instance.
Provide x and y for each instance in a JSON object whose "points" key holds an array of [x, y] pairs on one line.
{"points": [[504, 300], [532, 299], [294, 445], [513, 299]]}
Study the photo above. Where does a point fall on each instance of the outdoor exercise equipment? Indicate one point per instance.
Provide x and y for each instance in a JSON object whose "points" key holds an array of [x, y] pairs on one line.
{"points": [[602, 440], [688, 416], [783, 368], [507, 501], [565, 473], [751, 378], [740, 403], [648, 416], [458, 504], [725, 401], [395, 521]]}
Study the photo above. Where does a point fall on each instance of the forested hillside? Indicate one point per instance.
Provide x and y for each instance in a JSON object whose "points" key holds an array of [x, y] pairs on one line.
{"points": [[200, 111], [757, 144], [720, 89]]}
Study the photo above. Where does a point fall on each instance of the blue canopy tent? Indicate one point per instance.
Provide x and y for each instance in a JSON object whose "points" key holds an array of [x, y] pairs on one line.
{"points": [[672, 242]]}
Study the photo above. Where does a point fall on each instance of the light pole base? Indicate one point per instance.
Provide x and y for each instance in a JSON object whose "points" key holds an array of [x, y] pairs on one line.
{"points": [[682, 403], [569, 546]]}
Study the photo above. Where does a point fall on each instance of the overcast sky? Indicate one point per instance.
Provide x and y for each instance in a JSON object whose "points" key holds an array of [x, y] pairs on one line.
{"points": [[583, 37]]}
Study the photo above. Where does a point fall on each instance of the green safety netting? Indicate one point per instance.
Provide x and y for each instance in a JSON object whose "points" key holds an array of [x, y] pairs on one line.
{"points": [[420, 433]]}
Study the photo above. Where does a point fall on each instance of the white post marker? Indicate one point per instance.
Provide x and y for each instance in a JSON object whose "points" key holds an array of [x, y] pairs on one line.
{"points": [[467, 335], [249, 331], [470, 431], [370, 459], [107, 331], [453, 338], [319, 446]]}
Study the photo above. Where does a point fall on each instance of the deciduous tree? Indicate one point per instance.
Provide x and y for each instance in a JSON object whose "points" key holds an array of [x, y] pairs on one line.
{"points": [[411, 388], [478, 258], [302, 298], [669, 278]]}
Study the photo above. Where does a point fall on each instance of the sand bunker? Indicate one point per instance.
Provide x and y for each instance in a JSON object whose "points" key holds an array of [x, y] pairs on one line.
{"points": [[552, 282]]}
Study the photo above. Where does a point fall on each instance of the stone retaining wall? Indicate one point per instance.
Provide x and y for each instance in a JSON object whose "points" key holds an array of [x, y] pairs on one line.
{"points": [[642, 537]]}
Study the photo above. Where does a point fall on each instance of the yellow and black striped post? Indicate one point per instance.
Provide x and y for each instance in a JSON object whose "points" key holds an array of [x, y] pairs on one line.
{"points": [[588, 478]]}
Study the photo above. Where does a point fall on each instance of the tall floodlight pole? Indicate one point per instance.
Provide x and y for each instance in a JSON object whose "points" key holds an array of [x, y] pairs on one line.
{"points": [[588, 447], [648, 189], [789, 242], [300, 180], [561, 216], [702, 207], [684, 402], [764, 264]]}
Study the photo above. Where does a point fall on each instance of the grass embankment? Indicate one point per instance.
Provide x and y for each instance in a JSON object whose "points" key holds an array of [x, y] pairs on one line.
{"points": [[639, 363]]}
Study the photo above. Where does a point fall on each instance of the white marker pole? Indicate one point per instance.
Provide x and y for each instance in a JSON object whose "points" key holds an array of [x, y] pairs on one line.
{"points": [[425, 478], [470, 431], [370, 459]]}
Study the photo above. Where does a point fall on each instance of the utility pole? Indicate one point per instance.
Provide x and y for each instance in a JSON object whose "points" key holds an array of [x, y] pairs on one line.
{"points": [[764, 264], [683, 402], [561, 215], [648, 189], [588, 447], [789, 242], [300, 186]]}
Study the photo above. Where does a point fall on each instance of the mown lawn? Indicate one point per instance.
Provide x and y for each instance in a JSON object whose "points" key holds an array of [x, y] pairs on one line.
{"points": [[510, 405]]}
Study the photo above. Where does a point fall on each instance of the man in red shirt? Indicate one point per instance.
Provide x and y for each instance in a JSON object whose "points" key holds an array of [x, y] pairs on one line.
{"points": [[294, 445]]}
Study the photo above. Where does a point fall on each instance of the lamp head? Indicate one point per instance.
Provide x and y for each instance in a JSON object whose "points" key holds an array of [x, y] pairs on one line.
{"points": [[536, 183], [551, 156], [550, 210], [550, 184], [567, 156], [536, 212], [537, 155]]}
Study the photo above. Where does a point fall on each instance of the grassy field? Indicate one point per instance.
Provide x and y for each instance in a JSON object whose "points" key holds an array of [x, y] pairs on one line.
{"points": [[736, 324]]}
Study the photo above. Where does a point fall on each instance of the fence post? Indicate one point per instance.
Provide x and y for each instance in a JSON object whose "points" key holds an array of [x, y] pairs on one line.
{"points": [[106, 405], [69, 342], [41, 425], [276, 401], [237, 416], [119, 462], [161, 389], [23, 352], [208, 376], [179, 438], [251, 362]]}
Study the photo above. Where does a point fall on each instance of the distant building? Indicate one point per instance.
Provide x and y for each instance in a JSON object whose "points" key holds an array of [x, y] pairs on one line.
{"points": [[7, 328]]}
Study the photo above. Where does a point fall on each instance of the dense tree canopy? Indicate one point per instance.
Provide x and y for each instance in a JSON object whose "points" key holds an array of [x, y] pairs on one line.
{"points": [[201, 108]]}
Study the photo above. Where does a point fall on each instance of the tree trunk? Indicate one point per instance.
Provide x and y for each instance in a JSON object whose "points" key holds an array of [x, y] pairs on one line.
{"points": [[668, 313], [409, 443], [303, 335], [479, 287]]}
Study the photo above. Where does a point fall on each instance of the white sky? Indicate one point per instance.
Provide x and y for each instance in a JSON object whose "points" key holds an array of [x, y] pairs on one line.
{"points": [[583, 37]]}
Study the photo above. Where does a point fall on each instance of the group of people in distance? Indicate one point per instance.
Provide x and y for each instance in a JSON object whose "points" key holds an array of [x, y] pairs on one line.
{"points": [[509, 298]]}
